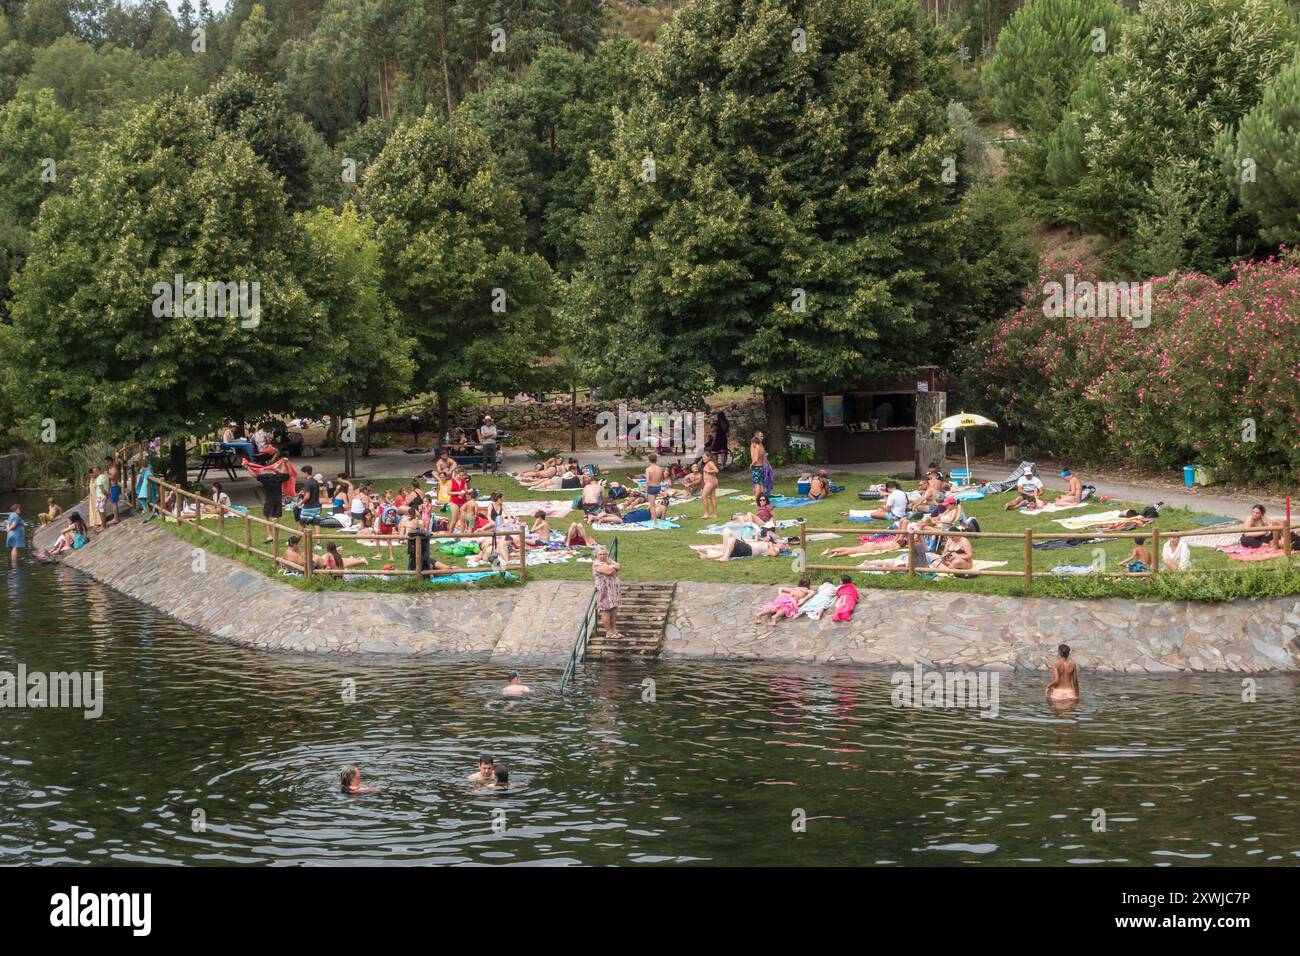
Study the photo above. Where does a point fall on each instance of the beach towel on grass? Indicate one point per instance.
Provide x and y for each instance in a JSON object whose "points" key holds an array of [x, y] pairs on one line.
{"points": [[779, 501], [1213, 540], [554, 508], [969, 494], [657, 524], [468, 577], [1087, 521], [822, 599], [744, 529], [1052, 508], [975, 566], [1215, 521], [1239, 552], [1055, 544], [1073, 569]]}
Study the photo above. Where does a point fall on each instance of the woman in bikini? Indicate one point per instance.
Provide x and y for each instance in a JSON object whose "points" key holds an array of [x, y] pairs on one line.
{"points": [[550, 468], [333, 561], [709, 487]]}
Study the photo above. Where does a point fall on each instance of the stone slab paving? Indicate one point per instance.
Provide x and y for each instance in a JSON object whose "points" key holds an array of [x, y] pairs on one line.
{"points": [[968, 630]]}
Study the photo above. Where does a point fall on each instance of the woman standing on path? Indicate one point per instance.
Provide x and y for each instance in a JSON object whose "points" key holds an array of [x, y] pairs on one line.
{"points": [[605, 570]]}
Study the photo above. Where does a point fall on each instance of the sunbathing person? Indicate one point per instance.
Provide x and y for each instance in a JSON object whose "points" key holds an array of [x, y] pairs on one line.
{"points": [[540, 532], [650, 511], [787, 602], [1073, 494], [1139, 559], [549, 469], [579, 536], [52, 511], [768, 545], [593, 497], [762, 513], [294, 557], [1029, 493], [73, 536], [336, 562], [932, 490], [875, 545], [896, 505], [693, 480], [1268, 537], [958, 553], [820, 486]]}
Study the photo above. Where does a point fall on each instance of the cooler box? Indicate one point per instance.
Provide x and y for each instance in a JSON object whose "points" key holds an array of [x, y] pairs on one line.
{"points": [[961, 476], [803, 488]]}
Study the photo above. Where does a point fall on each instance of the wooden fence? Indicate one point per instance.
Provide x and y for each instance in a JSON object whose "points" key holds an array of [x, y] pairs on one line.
{"points": [[310, 537], [1029, 537]]}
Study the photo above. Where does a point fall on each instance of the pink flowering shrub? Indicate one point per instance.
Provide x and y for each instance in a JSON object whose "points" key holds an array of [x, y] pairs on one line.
{"points": [[1214, 379]]}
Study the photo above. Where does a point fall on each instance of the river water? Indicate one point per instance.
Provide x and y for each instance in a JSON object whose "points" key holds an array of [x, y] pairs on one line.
{"points": [[207, 753]]}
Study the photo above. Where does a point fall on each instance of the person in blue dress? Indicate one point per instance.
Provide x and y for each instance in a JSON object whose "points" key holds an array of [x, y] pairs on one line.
{"points": [[15, 533]]}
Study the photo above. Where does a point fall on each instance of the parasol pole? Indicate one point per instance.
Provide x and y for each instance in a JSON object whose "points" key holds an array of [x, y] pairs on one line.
{"points": [[965, 441]]}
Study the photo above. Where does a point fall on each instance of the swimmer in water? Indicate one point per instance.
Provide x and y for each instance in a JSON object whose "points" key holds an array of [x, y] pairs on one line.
{"points": [[502, 777], [485, 773], [515, 686], [350, 781], [1065, 677]]}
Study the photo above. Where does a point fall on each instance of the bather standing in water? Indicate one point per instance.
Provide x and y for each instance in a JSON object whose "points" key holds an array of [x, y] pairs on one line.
{"points": [[1065, 677], [485, 775]]}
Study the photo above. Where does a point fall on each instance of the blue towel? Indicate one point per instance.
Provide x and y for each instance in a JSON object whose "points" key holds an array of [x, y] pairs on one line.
{"points": [[467, 577], [1073, 569], [783, 502]]}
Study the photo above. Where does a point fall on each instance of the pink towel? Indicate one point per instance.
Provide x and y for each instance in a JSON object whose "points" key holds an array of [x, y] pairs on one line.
{"points": [[846, 599], [1240, 552], [783, 603]]}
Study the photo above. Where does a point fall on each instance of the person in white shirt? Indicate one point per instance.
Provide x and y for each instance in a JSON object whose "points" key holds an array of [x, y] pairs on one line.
{"points": [[1029, 488], [895, 506], [1176, 555], [219, 498], [487, 436]]}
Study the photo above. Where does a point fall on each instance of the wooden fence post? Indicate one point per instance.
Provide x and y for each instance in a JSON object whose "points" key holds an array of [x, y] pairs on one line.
{"points": [[911, 554], [1155, 552], [248, 534], [1029, 559], [308, 554], [523, 554]]}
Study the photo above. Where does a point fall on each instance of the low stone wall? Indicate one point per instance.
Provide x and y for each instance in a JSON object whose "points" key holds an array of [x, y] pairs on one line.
{"points": [[536, 623], [978, 630], [743, 416], [9, 467]]}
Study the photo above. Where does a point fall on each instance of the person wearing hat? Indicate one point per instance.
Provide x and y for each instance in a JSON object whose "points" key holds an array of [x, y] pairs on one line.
{"points": [[948, 512], [487, 436], [515, 686]]}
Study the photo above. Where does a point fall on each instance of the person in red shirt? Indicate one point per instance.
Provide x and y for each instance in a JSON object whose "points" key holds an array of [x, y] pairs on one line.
{"points": [[459, 495]]}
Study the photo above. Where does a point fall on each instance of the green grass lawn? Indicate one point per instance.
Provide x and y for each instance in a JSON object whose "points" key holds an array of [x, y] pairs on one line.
{"points": [[666, 556]]}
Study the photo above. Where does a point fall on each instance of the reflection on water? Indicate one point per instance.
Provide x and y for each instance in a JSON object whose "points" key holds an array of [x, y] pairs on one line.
{"points": [[209, 753]]}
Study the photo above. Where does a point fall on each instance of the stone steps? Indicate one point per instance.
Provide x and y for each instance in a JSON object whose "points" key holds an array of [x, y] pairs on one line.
{"points": [[642, 614]]}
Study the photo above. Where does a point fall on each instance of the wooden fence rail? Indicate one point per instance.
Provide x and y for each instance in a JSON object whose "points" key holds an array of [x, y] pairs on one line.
{"points": [[310, 537], [1029, 536]]}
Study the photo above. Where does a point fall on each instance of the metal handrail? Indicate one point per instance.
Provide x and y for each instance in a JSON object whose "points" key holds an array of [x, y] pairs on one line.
{"points": [[585, 629]]}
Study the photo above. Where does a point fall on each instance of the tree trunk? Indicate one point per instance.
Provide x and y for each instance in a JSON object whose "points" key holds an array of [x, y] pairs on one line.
{"points": [[179, 472], [370, 423], [444, 416], [446, 77], [778, 436], [573, 419]]}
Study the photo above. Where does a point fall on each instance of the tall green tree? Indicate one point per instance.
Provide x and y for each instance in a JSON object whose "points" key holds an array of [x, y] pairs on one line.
{"points": [[451, 237], [780, 206], [1266, 159], [170, 194]]}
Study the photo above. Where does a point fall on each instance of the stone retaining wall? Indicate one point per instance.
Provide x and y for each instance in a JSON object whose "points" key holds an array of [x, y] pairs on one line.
{"points": [[980, 630], [537, 623], [743, 416]]}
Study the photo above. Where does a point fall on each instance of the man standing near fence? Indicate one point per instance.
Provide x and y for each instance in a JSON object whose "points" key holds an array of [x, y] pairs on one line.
{"points": [[487, 436]]}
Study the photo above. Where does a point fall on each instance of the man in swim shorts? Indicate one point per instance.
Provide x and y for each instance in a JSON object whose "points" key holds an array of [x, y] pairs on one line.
{"points": [[757, 463], [1065, 677]]}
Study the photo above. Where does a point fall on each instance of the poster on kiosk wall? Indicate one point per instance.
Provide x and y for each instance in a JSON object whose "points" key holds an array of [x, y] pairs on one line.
{"points": [[833, 411]]}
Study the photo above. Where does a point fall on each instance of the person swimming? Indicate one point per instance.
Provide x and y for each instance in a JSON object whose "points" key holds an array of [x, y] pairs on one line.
{"points": [[350, 781], [501, 777], [1065, 677], [485, 773], [515, 686]]}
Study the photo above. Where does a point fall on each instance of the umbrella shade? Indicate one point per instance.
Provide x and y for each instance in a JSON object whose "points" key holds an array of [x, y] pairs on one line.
{"points": [[964, 420]]}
